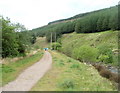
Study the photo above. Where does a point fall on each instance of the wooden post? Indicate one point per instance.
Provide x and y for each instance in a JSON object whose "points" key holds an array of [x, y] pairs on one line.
{"points": [[55, 41], [51, 40]]}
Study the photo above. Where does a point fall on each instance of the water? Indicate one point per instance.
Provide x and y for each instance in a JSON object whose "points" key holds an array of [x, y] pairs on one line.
{"points": [[113, 70]]}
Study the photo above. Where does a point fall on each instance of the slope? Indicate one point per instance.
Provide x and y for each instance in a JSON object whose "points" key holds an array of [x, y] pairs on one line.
{"points": [[104, 42]]}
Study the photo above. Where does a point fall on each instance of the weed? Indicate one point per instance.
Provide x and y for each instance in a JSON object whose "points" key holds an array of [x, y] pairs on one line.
{"points": [[66, 84], [7, 69], [61, 63], [75, 66], [69, 61]]}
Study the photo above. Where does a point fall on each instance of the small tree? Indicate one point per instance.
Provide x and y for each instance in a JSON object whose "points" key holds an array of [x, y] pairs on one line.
{"points": [[56, 46], [105, 53]]}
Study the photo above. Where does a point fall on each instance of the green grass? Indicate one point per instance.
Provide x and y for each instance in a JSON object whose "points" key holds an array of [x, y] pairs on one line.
{"points": [[95, 40], [68, 74], [41, 43], [109, 37], [11, 70]]}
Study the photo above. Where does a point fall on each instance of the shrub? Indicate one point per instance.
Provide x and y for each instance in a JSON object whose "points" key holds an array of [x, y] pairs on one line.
{"points": [[103, 58], [56, 46], [105, 54], [85, 53], [7, 69], [103, 49], [69, 61], [67, 83], [75, 66]]}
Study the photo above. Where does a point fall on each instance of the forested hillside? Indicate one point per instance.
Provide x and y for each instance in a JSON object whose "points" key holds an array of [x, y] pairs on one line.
{"points": [[96, 21]]}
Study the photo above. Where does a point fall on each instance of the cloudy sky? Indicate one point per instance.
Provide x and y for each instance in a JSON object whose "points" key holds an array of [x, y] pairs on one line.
{"points": [[36, 13]]}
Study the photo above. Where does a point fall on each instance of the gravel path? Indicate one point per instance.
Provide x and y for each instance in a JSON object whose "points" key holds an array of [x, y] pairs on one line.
{"points": [[29, 77]]}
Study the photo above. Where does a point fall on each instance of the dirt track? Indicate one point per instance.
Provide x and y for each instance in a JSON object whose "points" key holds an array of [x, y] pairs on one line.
{"points": [[29, 77]]}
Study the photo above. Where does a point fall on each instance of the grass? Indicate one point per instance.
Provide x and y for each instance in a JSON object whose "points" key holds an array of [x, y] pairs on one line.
{"points": [[11, 70], [68, 74], [41, 43], [95, 40]]}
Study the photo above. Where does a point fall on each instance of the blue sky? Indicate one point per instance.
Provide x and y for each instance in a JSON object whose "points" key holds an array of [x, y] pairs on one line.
{"points": [[36, 13]]}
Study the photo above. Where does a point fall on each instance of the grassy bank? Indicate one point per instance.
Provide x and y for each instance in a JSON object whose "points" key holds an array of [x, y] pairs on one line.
{"points": [[68, 74], [92, 47], [11, 70]]}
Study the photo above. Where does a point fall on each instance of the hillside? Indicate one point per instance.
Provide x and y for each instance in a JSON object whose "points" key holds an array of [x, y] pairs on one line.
{"points": [[40, 43], [91, 22], [78, 16], [104, 43]]}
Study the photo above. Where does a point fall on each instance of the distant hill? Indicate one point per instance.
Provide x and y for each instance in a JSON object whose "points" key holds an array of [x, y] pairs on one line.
{"points": [[90, 22], [76, 16], [69, 19]]}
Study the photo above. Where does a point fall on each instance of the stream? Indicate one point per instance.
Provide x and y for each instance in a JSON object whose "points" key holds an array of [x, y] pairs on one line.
{"points": [[113, 70]]}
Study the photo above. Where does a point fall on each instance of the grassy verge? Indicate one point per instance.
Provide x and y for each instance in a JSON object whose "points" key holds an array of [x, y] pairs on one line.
{"points": [[12, 70], [68, 74]]}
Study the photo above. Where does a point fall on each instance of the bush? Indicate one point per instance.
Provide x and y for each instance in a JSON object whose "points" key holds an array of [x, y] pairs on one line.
{"points": [[105, 54], [75, 66], [67, 83], [56, 46], [85, 53], [103, 58]]}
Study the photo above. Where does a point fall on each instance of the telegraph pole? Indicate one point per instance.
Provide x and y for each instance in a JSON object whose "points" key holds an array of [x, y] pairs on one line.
{"points": [[55, 41], [51, 40]]}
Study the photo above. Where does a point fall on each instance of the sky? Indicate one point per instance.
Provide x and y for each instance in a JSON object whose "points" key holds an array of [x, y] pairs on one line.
{"points": [[37, 13]]}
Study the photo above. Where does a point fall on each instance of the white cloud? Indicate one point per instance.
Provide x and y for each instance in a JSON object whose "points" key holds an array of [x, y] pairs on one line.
{"points": [[35, 13]]}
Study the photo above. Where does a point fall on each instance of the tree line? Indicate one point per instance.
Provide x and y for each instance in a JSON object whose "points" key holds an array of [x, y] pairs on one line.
{"points": [[107, 19], [15, 38], [96, 21]]}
